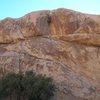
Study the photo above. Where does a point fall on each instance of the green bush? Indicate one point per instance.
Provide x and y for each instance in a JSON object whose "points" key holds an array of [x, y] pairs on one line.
{"points": [[28, 86]]}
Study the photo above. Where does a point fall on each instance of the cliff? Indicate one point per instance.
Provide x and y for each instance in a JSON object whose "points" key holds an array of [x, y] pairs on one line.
{"points": [[62, 44]]}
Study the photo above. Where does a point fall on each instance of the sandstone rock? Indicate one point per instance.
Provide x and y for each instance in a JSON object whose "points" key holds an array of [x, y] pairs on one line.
{"points": [[62, 44]]}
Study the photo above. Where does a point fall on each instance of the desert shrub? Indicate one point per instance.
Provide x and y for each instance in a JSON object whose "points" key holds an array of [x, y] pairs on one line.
{"points": [[28, 86]]}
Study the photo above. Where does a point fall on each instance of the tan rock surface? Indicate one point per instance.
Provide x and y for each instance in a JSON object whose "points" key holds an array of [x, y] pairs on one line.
{"points": [[62, 43]]}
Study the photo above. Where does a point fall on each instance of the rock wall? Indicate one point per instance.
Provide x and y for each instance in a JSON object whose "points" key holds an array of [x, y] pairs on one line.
{"points": [[62, 44]]}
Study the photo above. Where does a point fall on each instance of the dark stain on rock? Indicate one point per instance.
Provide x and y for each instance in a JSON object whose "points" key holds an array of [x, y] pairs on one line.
{"points": [[2, 50]]}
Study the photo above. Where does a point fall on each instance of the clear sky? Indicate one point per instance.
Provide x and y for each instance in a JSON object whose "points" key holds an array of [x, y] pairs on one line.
{"points": [[18, 8]]}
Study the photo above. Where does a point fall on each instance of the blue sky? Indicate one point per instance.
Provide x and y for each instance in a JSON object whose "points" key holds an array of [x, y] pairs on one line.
{"points": [[18, 8]]}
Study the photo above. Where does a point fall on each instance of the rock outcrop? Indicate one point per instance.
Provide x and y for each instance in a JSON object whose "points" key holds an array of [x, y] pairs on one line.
{"points": [[62, 44]]}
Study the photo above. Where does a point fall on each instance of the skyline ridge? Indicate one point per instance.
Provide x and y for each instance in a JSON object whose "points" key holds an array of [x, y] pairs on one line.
{"points": [[16, 9]]}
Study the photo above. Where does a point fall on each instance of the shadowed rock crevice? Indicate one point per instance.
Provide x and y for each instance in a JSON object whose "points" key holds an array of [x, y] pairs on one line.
{"points": [[43, 24]]}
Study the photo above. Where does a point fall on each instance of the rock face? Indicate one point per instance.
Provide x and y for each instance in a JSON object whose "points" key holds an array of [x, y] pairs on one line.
{"points": [[62, 44]]}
